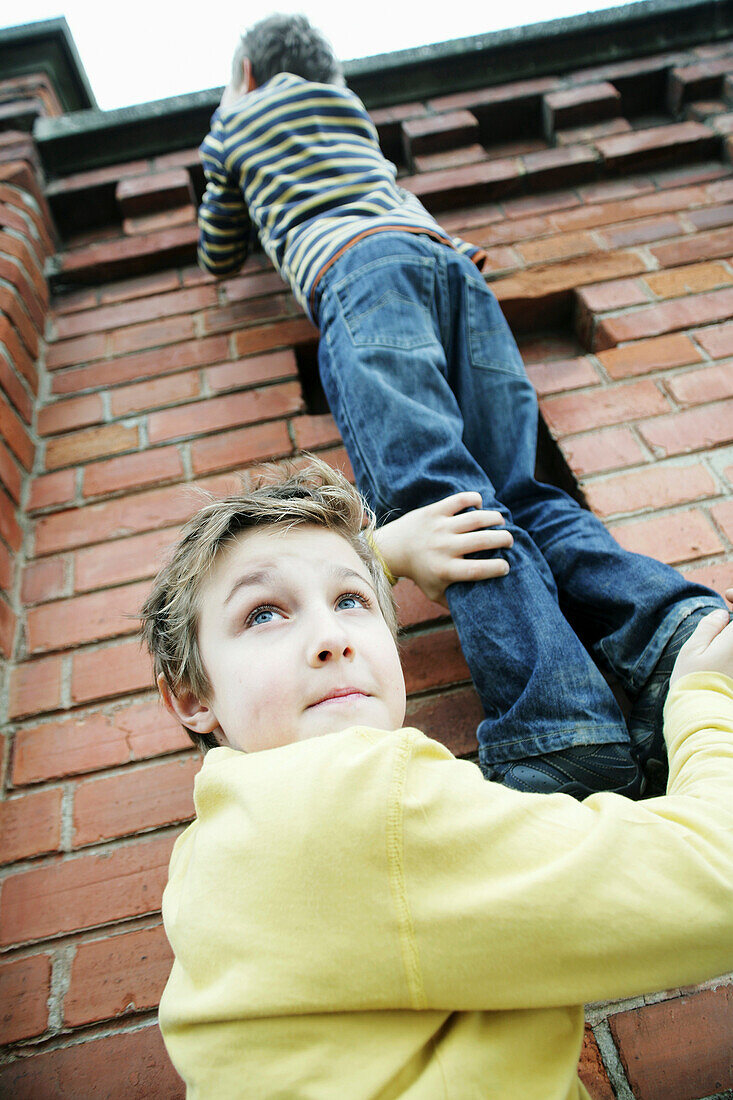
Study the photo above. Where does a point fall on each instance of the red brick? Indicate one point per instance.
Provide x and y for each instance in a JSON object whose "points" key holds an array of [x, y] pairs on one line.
{"points": [[15, 435], [130, 471], [113, 519], [711, 216], [25, 985], [7, 568], [166, 219], [451, 158], [248, 312], [652, 488], [414, 607], [77, 412], [693, 430], [65, 624], [718, 576], [154, 393], [679, 141], [249, 372], [17, 354], [88, 743], [616, 294], [692, 279], [14, 389], [620, 207], [314, 431], [128, 255], [723, 516], [682, 536], [153, 334], [510, 231], [697, 387], [678, 1048], [641, 232], [8, 623], [78, 447], [113, 976], [433, 660], [17, 249], [224, 412], [562, 374], [231, 449], [677, 314], [432, 133], [495, 96], [132, 1065], [701, 246], [286, 333], [35, 686], [592, 1071], [645, 356], [43, 580], [155, 191], [471, 184], [57, 488], [134, 311], [127, 559], [717, 342], [70, 353], [147, 364], [250, 285], [30, 825], [140, 798], [587, 103], [10, 529], [10, 305], [105, 673], [451, 718], [140, 287], [71, 894], [73, 301], [557, 248], [10, 475], [579, 411]]}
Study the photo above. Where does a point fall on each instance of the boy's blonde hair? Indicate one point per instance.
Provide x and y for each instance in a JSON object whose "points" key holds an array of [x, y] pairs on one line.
{"points": [[316, 495]]}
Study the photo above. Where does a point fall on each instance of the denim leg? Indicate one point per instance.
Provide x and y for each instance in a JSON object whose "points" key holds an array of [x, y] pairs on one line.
{"points": [[390, 340]]}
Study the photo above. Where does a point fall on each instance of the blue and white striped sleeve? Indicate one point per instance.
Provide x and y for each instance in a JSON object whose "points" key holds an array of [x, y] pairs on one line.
{"points": [[224, 223]]}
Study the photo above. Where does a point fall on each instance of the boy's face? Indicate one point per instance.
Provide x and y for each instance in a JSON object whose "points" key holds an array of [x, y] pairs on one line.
{"points": [[294, 643]]}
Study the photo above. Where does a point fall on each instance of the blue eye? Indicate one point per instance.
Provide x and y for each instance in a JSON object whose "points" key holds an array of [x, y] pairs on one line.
{"points": [[350, 600], [261, 615]]}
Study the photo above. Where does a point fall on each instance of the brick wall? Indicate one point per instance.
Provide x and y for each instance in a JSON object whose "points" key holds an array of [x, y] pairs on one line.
{"points": [[605, 201]]}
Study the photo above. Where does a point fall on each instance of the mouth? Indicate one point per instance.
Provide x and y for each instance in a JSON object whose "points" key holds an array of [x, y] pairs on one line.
{"points": [[339, 696]]}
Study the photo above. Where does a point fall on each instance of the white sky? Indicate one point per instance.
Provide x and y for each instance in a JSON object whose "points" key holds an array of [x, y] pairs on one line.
{"points": [[140, 51]]}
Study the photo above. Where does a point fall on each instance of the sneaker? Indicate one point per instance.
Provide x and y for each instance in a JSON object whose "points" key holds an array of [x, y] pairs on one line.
{"points": [[577, 771], [645, 721]]}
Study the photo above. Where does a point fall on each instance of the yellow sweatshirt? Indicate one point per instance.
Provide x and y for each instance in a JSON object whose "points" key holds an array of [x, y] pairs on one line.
{"points": [[363, 917]]}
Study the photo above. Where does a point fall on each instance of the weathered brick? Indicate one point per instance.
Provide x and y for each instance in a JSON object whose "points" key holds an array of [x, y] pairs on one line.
{"points": [[586, 103], [697, 387], [127, 255], [82, 349], [30, 825], [35, 686], [153, 334], [251, 371], [433, 660], [88, 743], [678, 1048], [711, 216], [124, 560], [135, 311], [25, 985], [10, 475], [71, 894], [77, 412], [132, 1065], [692, 430], [557, 248], [116, 975], [645, 356], [680, 141], [7, 568], [8, 623], [105, 673], [14, 389], [579, 411], [144, 797], [699, 246], [228, 450], [251, 285], [562, 374], [78, 447], [155, 191], [165, 219], [717, 342], [16, 353], [592, 1071], [154, 393], [315, 431], [10, 529], [643, 231], [413, 607], [723, 516], [651, 488], [225, 412], [687, 280], [65, 624], [47, 489], [433, 133], [616, 294], [149, 364], [679, 313], [10, 304], [158, 282], [450, 158], [451, 717], [470, 184], [718, 575], [13, 431], [131, 471], [43, 580], [254, 340], [681, 536], [623, 202]]}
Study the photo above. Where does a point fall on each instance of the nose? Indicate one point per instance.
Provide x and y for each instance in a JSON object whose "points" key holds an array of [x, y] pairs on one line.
{"points": [[330, 642]]}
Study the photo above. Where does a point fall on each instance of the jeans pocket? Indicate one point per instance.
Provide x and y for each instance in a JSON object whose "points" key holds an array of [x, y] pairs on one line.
{"points": [[387, 303], [491, 345]]}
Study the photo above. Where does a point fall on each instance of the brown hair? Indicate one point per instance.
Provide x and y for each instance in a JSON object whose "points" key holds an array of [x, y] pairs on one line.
{"points": [[317, 495]]}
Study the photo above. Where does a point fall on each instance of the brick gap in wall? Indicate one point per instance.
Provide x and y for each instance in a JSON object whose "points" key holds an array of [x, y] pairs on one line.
{"points": [[306, 358]]}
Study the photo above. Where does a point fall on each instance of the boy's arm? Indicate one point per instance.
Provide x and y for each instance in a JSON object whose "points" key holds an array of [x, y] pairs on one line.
{"points": [[224, 223], [523, 901]]}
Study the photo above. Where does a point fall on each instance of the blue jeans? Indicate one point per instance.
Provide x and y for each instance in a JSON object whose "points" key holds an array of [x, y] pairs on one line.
{"points": [[429, 392]]}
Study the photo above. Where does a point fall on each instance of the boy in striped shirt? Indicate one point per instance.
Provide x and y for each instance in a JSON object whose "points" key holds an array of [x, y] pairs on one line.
{"points": [[429, 392]]}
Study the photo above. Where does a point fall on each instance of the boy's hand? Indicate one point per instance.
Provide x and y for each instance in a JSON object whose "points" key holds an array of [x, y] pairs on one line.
{"points": [[429, 544], [710, 648]]}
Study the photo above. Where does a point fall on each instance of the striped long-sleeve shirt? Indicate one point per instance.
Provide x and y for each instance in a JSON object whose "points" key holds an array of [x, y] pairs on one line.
{"points": [[300, 164]]}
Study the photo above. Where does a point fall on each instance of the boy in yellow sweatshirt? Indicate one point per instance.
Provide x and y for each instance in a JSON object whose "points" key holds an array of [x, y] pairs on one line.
{"points": [[357, 914]]}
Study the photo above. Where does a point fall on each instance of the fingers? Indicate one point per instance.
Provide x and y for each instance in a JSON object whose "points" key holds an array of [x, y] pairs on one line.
{"points": [[476, 569], [729, 595], [472, 521], [448, 506], [705, 632], [475, 541]]}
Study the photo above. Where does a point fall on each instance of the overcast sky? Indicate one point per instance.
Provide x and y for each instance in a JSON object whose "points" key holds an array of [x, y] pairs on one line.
{"points": [[139, 51]]}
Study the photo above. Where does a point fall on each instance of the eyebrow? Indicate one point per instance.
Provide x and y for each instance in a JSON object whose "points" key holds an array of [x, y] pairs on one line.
{"points": [[268, 576]]}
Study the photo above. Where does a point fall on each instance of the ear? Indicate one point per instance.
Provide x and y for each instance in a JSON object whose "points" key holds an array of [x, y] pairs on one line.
{"points": [[248, 81], [191, 711]]}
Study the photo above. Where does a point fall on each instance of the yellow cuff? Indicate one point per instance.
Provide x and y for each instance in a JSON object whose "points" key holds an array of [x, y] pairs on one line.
{"points": [[378, 555]]}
